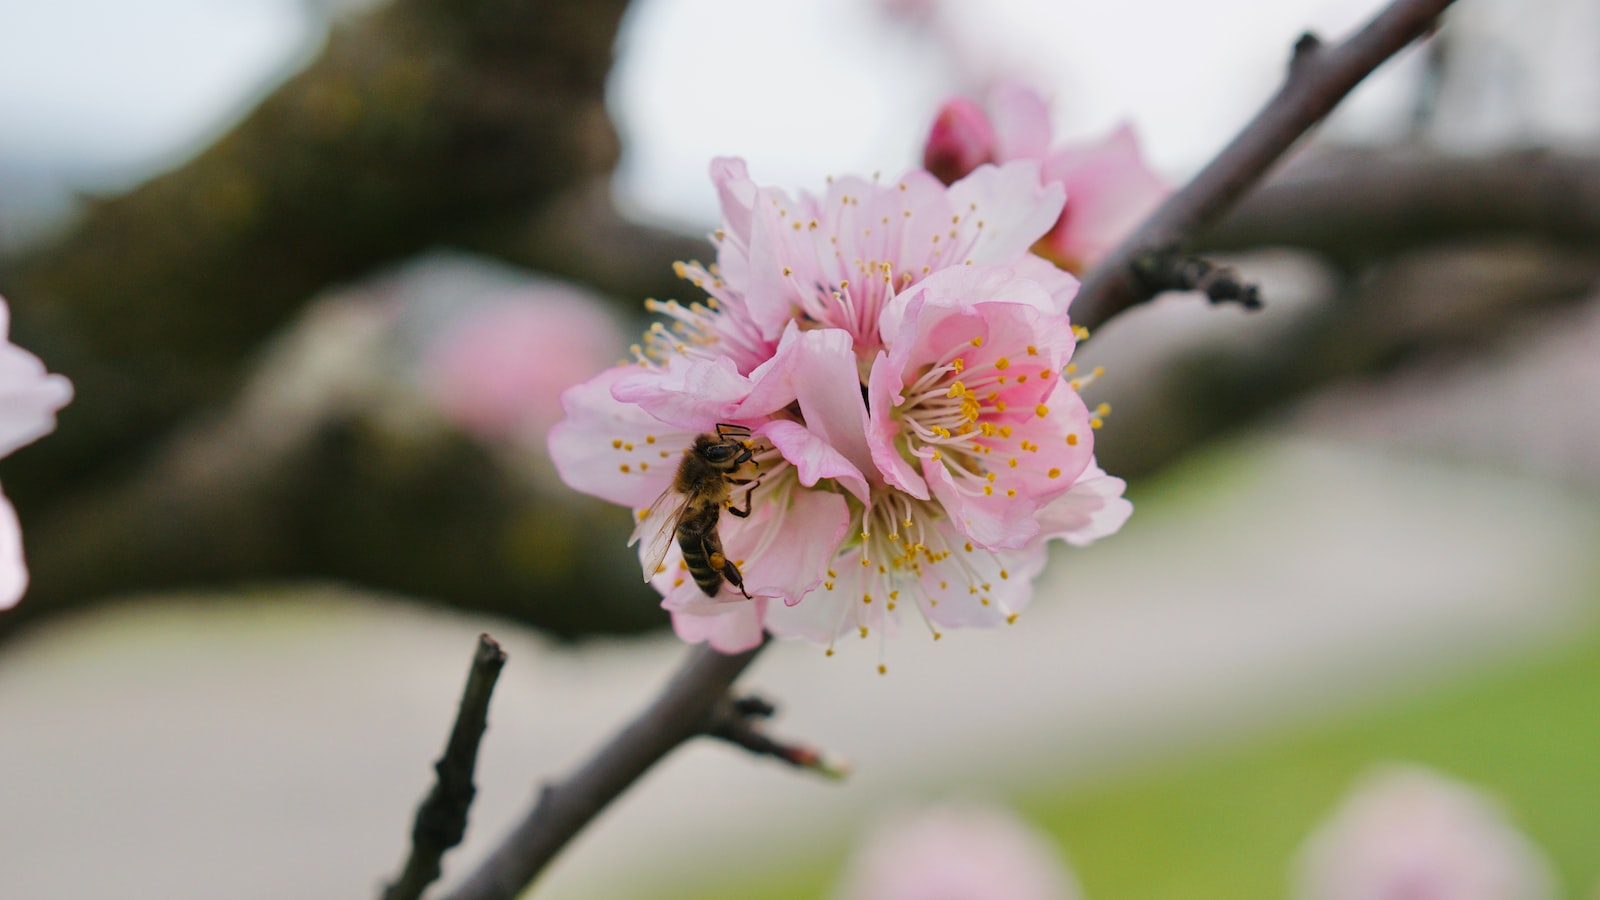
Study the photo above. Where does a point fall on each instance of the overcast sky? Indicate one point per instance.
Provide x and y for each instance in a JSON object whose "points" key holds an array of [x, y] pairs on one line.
{"points": [[801, 88]]}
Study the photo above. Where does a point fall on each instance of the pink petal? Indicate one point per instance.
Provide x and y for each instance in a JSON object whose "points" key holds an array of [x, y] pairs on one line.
{"points": [[884, 387], [787, 552], [1110, 191], [614, 450], [693, 395], [1093, 509], [1021, 122], [29, 396], [813, 458], [976, 587], [734, 628], [13, 571], [1016, 209], [818, 370]]}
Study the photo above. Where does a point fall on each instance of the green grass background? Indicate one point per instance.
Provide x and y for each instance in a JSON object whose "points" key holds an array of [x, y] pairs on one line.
{"points": [[1227, 823]]}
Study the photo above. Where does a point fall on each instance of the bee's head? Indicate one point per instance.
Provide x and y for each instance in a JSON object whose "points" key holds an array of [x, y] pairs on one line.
{"points": [[720, 452]]}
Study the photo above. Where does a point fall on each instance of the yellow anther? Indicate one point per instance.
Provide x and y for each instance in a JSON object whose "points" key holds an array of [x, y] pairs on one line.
{"points": [[1072, 440], [883, 669], [999, 406], [1054, 473], [616, 444], [866, 598], [977, 342], [1103, 410], [1041, 410], [958, 364], [957, 389], [989, 478], [625, 468], [1012, 462], [1032, 350], [1011, 619], [1002, 364], [1095, 423]]}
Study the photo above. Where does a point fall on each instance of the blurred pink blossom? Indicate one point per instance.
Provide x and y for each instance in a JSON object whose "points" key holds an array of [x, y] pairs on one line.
{"points": [[499, 371], [1110, 189], [29, 398], [957, 853], [903, 364], [1407, 833]]}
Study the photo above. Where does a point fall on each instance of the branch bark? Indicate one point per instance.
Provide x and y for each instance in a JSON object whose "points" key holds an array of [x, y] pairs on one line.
{"points": [[683, 710], [442, 818], [1319, 77], [1353, 205]]}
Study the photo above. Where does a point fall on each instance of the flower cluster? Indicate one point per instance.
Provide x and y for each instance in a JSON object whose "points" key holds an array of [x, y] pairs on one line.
{"points": [[1110, 189], [903, 365], [29, 398]]}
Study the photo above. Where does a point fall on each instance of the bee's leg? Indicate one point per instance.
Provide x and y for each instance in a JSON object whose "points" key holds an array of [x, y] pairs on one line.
{"points": [[721, 563], [744, 513]]}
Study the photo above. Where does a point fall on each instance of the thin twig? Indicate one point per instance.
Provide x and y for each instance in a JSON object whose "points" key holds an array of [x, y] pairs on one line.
{"points": [[680, 712], [442, 818], [1319, 77], [738, 720]]}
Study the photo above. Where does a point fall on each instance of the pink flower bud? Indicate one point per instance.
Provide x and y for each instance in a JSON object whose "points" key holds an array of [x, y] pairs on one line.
{"points": [[961, 140]]}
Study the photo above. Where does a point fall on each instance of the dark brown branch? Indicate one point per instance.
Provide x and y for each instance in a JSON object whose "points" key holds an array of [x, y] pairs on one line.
{"points": [[1165, 269], [739, 722], [1357, 204], [1319, 77], [442, 818], [681, 711]]}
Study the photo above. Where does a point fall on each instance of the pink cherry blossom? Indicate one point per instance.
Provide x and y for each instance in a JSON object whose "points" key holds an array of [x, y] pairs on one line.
{"points": [[1407, 833], [957, 853], [498, 371], [29, 398], [1109, 187], [902, 363]]}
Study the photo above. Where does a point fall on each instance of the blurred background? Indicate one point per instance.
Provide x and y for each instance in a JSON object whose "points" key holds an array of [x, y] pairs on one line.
{"points": [[320, 270]]}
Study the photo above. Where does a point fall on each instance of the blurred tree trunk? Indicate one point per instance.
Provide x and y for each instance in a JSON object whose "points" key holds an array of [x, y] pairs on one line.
{"points": [[425, 120]]}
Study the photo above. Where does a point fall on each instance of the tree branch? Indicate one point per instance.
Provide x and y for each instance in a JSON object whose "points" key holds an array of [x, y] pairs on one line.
{"points": [[739, 722], [1357, 204], [682, 710], [1319, 77], [442, 818]]}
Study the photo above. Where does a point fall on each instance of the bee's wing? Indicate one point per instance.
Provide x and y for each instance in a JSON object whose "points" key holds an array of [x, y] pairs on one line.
{"points": [[657, 528]]}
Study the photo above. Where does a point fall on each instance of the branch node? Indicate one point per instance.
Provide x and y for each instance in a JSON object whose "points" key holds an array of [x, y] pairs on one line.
{"points": [[737, 720], [1166, 269], [1305, 49]]}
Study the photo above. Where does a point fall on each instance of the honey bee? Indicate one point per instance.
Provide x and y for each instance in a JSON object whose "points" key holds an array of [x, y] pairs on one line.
{"points": [[690, 507]]}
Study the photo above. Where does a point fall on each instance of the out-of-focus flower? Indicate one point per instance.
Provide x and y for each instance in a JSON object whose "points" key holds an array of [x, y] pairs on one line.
{"points": [[1407, 833], [957, 853], [903, 364], [1110, 189], [499, 372], [29, 398]]}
